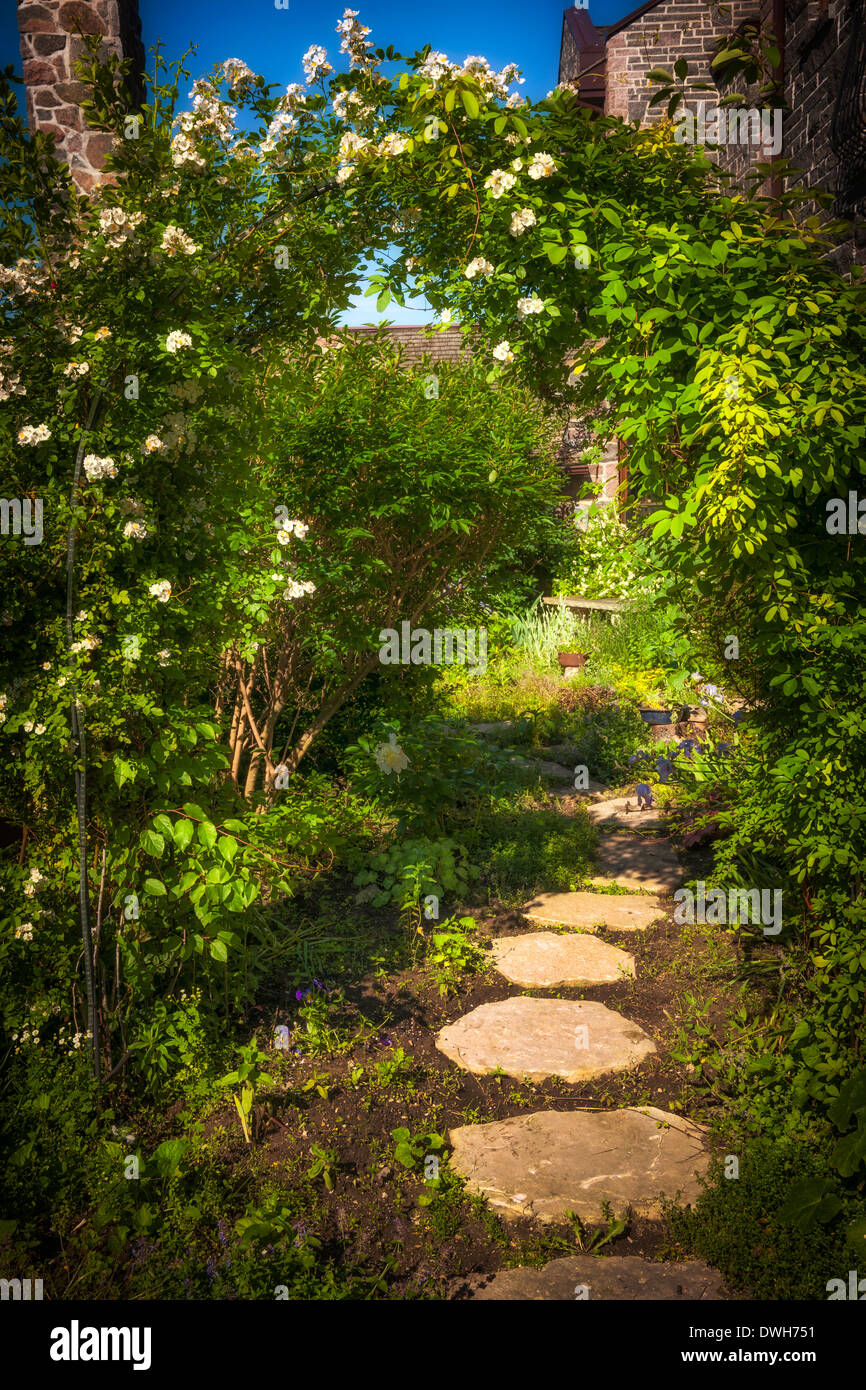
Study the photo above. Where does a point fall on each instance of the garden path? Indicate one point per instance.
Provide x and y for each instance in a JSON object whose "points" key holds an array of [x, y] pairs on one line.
{"points": [[586, 1161]]}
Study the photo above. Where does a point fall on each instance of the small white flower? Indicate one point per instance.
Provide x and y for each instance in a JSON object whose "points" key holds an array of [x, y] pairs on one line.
{"points": [[499, 182], [177, 340], [520, 220], [102, 333], [28, 727], [33, 434], [315, 63], [390, 757], [135, 530], [345, 173], [96, 467], [161, 590], [24, 932], [530, 305], [82, 616], [76, 369], [502, 352], [164, 656], [392, 144], [517, 165], [152, 444], [175, 239], [478, 267], [542, 166], [40, 729]]}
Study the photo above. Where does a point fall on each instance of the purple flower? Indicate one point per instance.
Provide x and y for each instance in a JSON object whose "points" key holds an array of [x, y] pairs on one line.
{"points": [[738, 714], [318, 984], [644, 795], [665, 767], [385, 1042], [302, 994]]}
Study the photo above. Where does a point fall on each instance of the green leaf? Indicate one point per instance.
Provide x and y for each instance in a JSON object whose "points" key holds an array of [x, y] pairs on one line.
{"points": [[183, 833], [227, 847], [681, 68], [152, 843], [154, 887], [167, 1157], [219, 950], [470, 104], [207, 834]]}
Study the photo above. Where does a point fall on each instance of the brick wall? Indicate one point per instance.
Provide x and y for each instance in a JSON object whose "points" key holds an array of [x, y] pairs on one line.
{"points": [[50, 44], [817, 39]]}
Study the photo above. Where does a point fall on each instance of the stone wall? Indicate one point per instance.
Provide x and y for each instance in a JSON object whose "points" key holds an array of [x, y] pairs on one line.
{"points": [[50, 33], [673, 29]]}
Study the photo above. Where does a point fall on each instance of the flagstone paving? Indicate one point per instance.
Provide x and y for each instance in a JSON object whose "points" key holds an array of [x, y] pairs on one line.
{"points": [[541, 960], [551, 1162], [634, 862], [623, 811], [552, 772], [540, 1038], [615, 1278], [619, 912], [589, 1162]]}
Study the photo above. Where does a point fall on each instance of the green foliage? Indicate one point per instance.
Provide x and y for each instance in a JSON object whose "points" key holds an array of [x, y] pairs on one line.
{"points": [[447, 773], [454, 952], [525, 850], [745, 1226], [607, 559], [413, 869], [250, 1076]]}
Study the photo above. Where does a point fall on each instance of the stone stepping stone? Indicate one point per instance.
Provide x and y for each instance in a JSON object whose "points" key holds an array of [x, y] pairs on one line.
{"points": [[620, 912], [616, 812], [493, 727], [539, 960], [614, 1278], [539, 1038], [552, 772], [551, 1162], [634, 862]]}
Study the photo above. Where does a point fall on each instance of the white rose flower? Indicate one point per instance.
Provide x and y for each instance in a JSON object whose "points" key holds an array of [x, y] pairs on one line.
{"points": [[390, 757], [135, 530], [520, 220], [542, 166], [530, 305], [175, 239], [177, 340], [161, 590], [478, 267], [499, 182], [502, 352]]}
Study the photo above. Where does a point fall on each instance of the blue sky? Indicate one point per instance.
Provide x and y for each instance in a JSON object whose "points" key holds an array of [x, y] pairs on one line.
{"points": [[272, 41]]}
